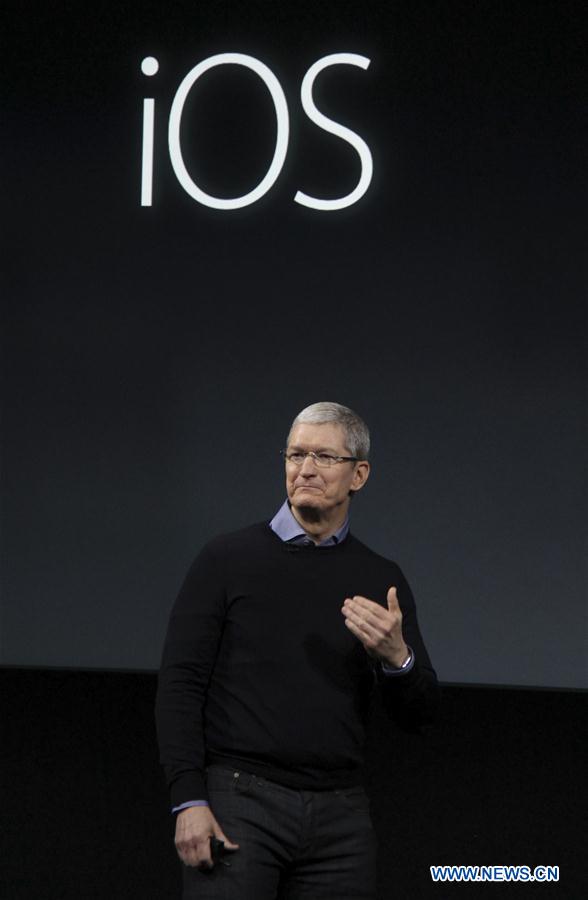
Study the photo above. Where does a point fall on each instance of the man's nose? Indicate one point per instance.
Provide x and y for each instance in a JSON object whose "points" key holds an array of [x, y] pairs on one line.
{"points": [[308, 467]]}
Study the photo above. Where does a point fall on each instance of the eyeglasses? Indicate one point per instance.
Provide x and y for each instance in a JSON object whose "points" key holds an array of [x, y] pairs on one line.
{"points": [[324, 460]]}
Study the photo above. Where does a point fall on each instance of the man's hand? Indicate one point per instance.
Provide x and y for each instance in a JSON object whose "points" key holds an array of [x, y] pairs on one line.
{"points": [[194, 828], [379, 629]]}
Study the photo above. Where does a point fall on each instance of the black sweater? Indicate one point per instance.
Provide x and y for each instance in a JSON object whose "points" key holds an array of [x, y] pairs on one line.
{"points": [[259, 670]]}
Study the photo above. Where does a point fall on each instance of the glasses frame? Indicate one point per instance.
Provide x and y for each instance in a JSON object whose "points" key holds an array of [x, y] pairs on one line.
{"points": [[315, 456]]}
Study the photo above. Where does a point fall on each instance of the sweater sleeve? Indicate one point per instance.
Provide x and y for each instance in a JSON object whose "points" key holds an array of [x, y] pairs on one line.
{"points": [[189, 654], [412, 698]]}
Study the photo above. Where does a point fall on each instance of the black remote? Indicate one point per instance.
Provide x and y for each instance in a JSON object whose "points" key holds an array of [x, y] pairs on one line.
{"points": [[217, 849]]}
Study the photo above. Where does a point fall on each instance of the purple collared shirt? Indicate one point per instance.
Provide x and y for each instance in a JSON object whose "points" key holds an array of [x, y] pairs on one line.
{"points": [[288, 528]]}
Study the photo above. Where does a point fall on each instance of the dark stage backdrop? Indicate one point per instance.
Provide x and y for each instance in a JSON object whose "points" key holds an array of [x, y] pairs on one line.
{"points": [[85, 813], [154, 355]]}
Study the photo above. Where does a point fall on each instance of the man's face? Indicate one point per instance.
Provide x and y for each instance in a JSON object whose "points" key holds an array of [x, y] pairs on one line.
{"points": [[317, 489]]}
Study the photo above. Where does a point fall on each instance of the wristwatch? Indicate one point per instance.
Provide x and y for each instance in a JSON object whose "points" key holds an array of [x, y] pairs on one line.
{"points": [[393, 670]]}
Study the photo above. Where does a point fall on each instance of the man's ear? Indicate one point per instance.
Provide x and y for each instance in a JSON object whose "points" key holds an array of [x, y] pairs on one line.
{"points": [[360, 476]]}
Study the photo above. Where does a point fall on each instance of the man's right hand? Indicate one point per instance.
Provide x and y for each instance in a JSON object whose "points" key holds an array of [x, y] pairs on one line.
{"points": [[194, 828]]}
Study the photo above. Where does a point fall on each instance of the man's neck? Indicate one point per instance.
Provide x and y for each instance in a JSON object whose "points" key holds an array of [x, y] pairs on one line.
{"points": [[320, 528]]}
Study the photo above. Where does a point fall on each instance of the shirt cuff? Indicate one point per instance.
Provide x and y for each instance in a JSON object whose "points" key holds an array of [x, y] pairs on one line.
{"points": [[389, 670], [189, 803]]}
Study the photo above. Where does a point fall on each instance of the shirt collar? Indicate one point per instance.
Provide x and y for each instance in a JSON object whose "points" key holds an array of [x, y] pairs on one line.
{"points": [[287, 527]]}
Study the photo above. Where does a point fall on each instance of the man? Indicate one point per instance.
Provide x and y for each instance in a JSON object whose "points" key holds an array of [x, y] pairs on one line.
{"points": [[277, 638]]}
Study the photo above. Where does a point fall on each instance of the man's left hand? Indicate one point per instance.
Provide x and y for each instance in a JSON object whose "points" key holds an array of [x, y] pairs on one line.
{"points": [[378, 629]]}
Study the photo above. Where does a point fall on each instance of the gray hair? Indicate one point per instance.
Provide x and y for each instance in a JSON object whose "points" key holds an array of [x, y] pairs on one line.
{"points": [[357, 436]]}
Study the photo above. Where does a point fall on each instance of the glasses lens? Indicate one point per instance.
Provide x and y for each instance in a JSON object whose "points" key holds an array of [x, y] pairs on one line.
{"points": [[295, 458], [324, 460]]}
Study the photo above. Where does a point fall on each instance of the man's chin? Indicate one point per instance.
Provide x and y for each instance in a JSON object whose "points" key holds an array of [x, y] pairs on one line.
{"points": [[309, 511]]}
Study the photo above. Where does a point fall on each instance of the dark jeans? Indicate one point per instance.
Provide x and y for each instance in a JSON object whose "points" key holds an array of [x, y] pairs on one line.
{"points": [[293, 845]]}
